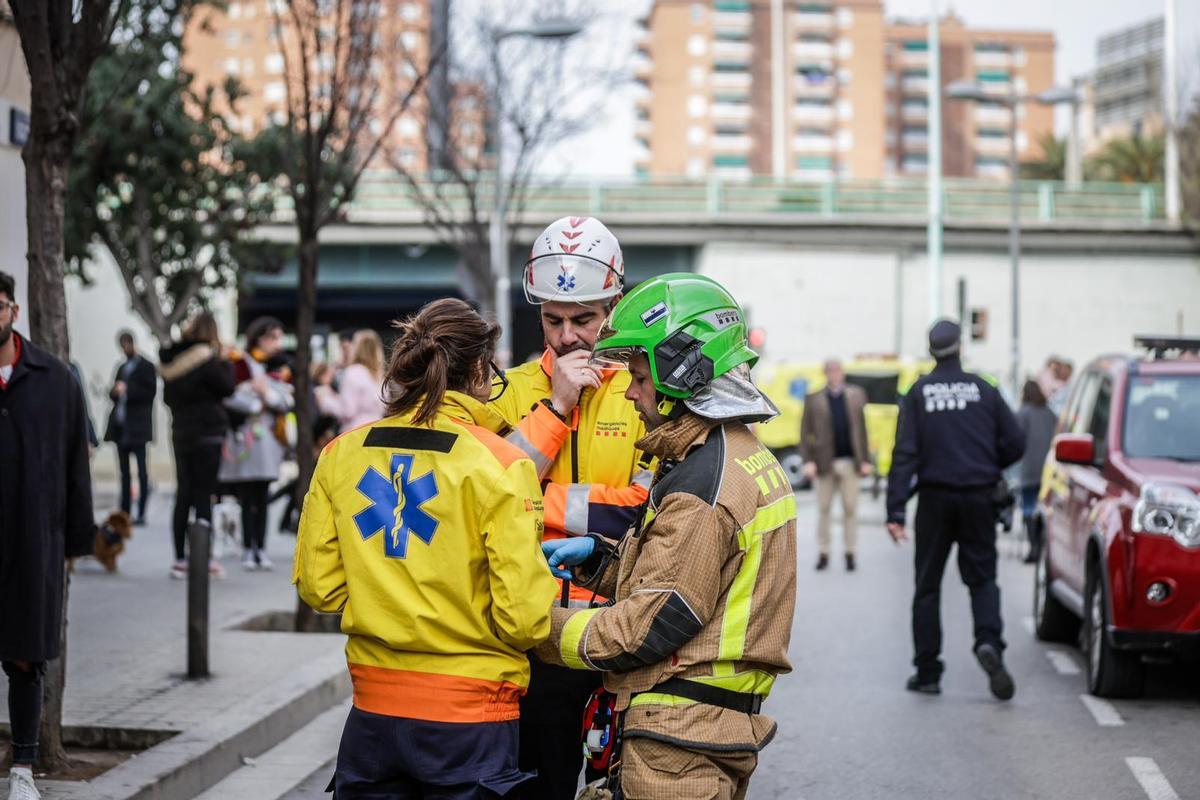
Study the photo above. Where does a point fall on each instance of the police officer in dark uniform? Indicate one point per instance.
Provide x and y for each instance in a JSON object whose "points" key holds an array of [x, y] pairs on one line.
{"points": [[956, 434]]}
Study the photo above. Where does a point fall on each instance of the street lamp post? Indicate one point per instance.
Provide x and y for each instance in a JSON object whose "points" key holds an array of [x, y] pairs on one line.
{"points": [[498, 225], [969, 90]]}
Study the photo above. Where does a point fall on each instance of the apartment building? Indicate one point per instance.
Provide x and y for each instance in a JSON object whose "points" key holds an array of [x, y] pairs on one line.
{"points": [[975, 135], [1127, 86], [243, 40], [816, 90]]}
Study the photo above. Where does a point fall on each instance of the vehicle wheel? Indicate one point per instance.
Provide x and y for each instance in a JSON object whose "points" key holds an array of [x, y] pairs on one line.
{"points": [[1052, 621], [1111, 672], [793, 466]]}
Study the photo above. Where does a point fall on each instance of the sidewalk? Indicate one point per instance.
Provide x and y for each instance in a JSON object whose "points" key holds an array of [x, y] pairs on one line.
{"points": [[127, 655]]}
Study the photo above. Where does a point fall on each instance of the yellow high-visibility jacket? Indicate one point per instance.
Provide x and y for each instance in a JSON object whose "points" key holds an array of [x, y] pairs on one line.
{"points": [[594, 477], [427, 539]]}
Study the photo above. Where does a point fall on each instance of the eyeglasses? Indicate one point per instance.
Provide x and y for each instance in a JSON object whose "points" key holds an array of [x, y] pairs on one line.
{"points": [[499, 382], [5, 305]]}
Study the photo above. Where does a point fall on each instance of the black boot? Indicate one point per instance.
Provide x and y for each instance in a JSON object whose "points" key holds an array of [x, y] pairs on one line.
{"points": [[822, 562], [850, 565]]}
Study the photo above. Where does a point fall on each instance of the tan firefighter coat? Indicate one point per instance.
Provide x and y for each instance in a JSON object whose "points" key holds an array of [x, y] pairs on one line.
{"points": [[704, 591]]}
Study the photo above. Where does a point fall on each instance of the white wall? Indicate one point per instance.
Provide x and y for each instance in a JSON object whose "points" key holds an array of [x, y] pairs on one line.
{"points": [[815, 303], [95, 316]]}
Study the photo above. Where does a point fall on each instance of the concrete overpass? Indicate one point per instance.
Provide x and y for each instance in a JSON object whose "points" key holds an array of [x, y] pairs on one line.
{"points": [[822, 268]]}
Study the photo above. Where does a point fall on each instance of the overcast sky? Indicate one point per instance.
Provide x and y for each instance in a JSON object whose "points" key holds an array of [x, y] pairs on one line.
{"points": [[1076, 25]]}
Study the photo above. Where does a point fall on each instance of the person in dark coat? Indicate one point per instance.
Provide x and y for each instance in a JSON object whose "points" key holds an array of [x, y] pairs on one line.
{"points": [[196, 379], [131, 422], [954, 439], [45, 518], [1038, 422]]}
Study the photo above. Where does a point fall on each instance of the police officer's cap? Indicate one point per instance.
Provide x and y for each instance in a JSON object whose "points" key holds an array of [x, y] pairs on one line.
{"points": [[944, 337]]}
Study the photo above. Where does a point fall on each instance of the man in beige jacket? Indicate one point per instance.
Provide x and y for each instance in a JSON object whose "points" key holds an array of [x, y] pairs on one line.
{"points": [[833, 444]]}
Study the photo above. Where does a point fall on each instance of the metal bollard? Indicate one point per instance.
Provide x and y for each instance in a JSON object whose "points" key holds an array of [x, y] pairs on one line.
{"points": [[199, 547]]}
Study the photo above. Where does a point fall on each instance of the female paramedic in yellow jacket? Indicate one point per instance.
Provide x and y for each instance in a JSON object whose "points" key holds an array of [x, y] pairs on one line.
{"points": [[423, 529]]}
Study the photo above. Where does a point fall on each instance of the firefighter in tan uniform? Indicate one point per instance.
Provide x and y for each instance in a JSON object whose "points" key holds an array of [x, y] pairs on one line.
{"points": [[704, 587]]}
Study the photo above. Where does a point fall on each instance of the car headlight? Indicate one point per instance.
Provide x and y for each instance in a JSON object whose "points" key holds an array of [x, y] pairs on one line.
{"points": [[1167, 509]]}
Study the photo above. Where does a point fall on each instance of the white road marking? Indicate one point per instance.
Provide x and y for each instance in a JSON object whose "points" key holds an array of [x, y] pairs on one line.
{"points": [[1153, 782], [1063, 663], [1105, 712], [1027, 622]]}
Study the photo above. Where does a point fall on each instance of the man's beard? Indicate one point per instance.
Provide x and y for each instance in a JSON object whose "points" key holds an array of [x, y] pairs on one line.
{"points": [[5, 334], [571, 348]]}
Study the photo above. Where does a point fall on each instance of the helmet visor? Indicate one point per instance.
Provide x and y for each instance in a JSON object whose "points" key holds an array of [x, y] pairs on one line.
{"points": [[614, 357]]}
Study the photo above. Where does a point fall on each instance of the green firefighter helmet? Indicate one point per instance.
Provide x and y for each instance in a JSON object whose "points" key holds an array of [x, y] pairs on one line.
{"points": [[690, 328]]}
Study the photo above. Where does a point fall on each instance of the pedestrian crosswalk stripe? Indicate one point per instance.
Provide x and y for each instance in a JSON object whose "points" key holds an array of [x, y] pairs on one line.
{"points": [[1062, 662], [1105, 713], [1153, 782]]}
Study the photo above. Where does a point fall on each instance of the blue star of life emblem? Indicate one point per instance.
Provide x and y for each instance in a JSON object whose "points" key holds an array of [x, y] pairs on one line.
{"points": [[566, 283], [395, 508]]}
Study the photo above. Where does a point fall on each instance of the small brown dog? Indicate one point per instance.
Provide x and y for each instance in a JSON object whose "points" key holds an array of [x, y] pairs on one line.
{"points": [[110, 539]]}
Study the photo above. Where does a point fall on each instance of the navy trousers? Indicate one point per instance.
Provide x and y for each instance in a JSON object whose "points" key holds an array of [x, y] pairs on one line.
{"points": [[394, 758]]}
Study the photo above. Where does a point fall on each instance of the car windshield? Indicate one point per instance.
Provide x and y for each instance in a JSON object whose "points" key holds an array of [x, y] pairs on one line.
{"points": [[879, 388], [1162, 417]]}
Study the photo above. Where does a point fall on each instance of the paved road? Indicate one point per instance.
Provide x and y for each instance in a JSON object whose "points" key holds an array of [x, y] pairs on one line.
{"points": [[849, 730]]}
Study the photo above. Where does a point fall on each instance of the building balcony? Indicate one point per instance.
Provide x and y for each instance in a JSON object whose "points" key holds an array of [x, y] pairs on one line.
{"points": [[731, 80], [992, 145], [998, 171], [642, 64], [803, 87], [914, 85], [813, 21], [992, 60], [992, 115], [641, 35], [914, 141], [736, 143], [729, 111], [812, 51], [642, 127], [736, 20], [914, 113], [914, 58], [997, 88], [735, 51], [811, 143], [807, 113]]}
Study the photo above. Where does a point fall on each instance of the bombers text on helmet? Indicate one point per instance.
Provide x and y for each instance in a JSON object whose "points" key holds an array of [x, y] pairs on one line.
{"points": [[575, 260], [690, 328]]}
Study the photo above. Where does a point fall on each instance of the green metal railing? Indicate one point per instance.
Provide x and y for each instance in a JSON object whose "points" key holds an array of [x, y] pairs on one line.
{"points": [[382, 193]]}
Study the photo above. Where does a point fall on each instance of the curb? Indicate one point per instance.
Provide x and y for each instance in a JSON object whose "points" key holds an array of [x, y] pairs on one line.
{"points": [[188, 764]]}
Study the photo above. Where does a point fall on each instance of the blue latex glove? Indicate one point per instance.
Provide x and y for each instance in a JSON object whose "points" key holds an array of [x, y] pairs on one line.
{"points": [[567, 552]]}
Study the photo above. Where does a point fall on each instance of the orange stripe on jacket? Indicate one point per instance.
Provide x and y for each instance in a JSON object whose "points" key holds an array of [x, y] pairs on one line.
{"points": [[625, 498], [504, 452], [433, 697]]}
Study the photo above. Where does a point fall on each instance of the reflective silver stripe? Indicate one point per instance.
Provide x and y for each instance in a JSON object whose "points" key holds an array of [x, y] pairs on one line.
{"points": [[575, 517], [540, 461], [572, 603], [644, 479]]}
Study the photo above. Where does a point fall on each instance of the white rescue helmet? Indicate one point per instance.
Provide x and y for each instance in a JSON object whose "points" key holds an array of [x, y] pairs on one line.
{"points": [[576, 260]]}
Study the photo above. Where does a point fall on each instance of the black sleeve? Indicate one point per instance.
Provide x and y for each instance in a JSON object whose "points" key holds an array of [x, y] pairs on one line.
{"points": [[1010, 439], [143, 383], [904, 457], [218, 377], [80, 524]]}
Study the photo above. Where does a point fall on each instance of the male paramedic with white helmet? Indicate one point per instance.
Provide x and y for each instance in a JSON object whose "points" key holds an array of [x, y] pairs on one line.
{"points": [[573, 420]]}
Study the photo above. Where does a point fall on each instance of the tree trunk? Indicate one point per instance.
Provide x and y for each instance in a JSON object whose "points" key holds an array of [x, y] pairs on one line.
{"points": [[306, 312], [46, 168], [52, 754]]}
